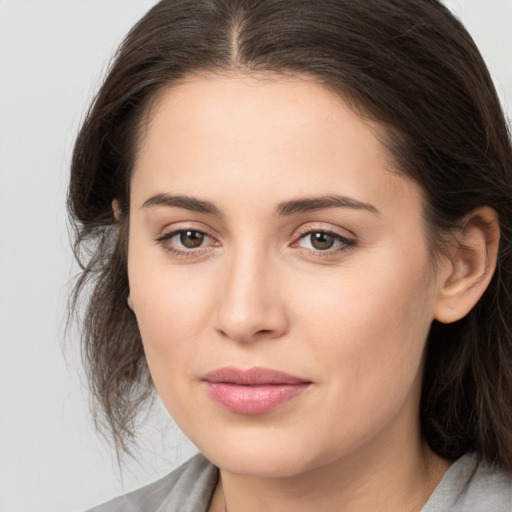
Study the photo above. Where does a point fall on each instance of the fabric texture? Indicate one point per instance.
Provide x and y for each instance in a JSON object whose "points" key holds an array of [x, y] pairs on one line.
{"points": [[187, 489], [468, 486], [472, 486]]}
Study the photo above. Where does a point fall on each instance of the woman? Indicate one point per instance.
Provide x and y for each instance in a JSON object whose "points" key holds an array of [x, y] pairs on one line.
{"points": [[295, 218]]}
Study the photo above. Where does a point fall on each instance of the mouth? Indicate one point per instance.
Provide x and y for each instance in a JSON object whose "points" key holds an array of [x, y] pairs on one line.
{"points": [[253, 391]]}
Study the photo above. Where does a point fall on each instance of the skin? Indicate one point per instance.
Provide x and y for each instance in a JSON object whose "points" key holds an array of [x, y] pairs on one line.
{"points": [[352, 320]]}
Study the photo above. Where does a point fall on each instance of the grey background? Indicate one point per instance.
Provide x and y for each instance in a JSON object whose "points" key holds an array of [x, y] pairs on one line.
{"points": [[53, 54]]}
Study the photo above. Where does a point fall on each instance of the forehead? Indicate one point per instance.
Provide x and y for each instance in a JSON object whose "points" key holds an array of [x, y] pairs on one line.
{"points": [[252, 105], [269, 133]]}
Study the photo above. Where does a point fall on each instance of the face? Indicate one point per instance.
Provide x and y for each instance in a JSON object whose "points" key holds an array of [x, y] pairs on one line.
{"points": [[280, 275]]}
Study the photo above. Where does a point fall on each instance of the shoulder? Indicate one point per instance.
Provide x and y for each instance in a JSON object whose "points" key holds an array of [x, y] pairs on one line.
{"points": [[188, 488], [472, 485]]}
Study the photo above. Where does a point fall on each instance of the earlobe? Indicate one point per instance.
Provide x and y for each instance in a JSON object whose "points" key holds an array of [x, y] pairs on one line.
{"points": [[116, 209], [470, 266]]}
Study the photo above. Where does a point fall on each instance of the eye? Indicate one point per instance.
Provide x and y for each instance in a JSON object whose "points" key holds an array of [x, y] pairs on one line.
{"points": [[186, 241], [190, 239], [323, 241], [320, 240]]}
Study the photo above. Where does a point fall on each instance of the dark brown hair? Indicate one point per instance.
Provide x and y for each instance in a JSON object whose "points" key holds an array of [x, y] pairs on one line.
{"points": [[410, 66]]}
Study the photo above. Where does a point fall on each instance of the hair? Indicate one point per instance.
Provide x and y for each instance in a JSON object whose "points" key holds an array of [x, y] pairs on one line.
{"points": [[408, 65]]}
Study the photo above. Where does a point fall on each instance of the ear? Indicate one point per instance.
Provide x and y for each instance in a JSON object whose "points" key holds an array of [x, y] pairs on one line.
{"points": [[468, 270], [116, 209]]}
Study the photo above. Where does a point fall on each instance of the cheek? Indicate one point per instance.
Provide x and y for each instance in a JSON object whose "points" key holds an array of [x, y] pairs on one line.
{"points": [[368, 331], [171, 316], [172, 306]]}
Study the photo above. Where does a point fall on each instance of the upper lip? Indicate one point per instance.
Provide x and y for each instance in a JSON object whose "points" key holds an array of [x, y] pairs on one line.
{"points": [[251, 377]]}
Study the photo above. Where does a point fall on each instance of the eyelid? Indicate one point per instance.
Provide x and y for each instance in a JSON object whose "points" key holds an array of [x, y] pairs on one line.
{"points": [[321, 227], [178, 227], [174, 232]]}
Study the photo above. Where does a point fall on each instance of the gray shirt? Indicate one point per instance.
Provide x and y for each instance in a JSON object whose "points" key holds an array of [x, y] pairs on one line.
{"points": [[468, 486]]}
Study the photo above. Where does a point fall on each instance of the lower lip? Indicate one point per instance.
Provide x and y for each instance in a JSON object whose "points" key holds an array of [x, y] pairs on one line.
{"points": [[253, 399]]}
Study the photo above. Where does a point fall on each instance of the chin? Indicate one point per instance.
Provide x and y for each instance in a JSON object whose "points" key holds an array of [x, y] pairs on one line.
{"points": [[260, 465], [263, 456]]}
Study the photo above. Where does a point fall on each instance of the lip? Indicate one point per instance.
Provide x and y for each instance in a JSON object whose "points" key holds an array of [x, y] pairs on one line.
{"points": [[254, 391]]}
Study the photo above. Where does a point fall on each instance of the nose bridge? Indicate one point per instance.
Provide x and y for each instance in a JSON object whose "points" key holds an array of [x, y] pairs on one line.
{"points": [[249, 305]]}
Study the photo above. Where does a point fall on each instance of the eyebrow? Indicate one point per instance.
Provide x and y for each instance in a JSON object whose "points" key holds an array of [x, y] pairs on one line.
{"points": [[284, 209], [185, 202], [311, 204]]}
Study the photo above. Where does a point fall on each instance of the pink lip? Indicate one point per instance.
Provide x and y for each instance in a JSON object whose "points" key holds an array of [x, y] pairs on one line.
{"points": [[253, 391]]}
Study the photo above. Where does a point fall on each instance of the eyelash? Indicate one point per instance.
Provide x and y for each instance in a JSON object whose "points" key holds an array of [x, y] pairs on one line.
{"points": [[182, 252], [345, 242]]}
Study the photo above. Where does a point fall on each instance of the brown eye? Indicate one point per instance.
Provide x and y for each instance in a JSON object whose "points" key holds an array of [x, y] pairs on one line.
{"points": [[187, 242], [321, 240], [191, 239]]}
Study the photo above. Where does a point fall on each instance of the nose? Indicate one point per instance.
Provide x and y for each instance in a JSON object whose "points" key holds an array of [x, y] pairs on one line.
{"points": [[251, 306]]}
